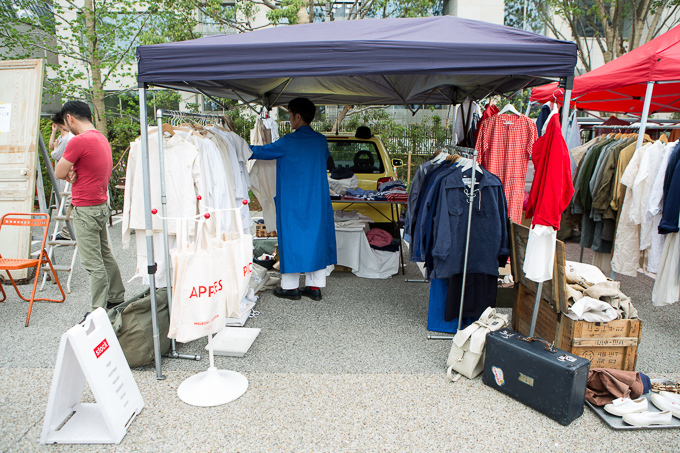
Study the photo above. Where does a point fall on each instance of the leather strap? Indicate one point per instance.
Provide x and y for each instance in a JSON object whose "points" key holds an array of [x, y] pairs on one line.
{"points": [[548, 347]]}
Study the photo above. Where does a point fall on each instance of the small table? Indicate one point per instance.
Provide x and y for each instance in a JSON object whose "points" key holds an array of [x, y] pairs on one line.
{"points": [[394, 220]]}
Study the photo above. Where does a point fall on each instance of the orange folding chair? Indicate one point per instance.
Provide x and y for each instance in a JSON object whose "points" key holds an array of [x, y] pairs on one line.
{"points": [[13, 264]]}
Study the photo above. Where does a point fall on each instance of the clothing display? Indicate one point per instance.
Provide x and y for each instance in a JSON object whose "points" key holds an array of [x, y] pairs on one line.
{"points": [[468, 115], [436, 229], [355, 251], [619, 194], [262, 175], [550, 194], [504, 144], [207, 164]]}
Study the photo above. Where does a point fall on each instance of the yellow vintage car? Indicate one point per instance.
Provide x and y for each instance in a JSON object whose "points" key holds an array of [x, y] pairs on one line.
{"points": [[370, 162]]}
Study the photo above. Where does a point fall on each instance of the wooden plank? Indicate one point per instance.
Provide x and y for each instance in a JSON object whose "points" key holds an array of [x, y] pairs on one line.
{"points": [[619, 358], [599, 342]]}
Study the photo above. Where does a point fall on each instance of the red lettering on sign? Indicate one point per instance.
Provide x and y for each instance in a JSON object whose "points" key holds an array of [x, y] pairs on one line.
{"points": [[193, 293], [220, 283], [101, 348]]}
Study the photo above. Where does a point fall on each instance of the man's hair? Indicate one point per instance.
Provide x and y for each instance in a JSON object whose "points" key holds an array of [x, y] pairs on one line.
{"points": [[77, 109], [303, 107], [58, 118]]}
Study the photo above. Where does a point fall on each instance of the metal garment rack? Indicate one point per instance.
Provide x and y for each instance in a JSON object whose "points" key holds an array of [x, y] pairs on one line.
{"points": [[177, 115], [151, 263]]}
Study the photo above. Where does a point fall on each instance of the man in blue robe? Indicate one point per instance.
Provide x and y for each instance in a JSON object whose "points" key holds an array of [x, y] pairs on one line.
{"points": [[304, 213]]}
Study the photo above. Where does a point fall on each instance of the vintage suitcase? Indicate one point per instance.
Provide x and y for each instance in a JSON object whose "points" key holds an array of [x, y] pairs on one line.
{"points": [[545, 378]]}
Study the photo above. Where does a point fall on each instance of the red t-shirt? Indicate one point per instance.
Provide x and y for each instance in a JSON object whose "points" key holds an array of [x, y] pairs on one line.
{"points": [[90, 153]]}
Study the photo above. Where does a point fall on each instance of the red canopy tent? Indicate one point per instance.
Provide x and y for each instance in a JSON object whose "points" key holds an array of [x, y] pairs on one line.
{"points": [[621, 85]]}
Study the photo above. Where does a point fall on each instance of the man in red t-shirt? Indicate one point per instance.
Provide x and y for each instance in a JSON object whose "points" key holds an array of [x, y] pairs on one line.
{"points": [[86, 164]]}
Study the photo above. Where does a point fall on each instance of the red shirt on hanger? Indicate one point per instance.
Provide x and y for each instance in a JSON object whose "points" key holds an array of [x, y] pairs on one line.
{"points": [[552, 188]]}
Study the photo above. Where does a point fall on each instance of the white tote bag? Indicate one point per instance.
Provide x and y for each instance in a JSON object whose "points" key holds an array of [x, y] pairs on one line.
{"points": [[468, 346], [199, 306], [239, 270]]}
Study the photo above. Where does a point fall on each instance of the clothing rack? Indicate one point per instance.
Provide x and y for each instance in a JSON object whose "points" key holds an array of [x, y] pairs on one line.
{"points": [[176, 115], [469, 153]]}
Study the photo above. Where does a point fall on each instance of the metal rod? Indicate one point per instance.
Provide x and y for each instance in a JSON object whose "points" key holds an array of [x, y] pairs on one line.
{"points": [[177, 113], [53, 179], [149, 230], [168, 271], [471, 198], [645, 114], [438, 337], [534, 314]]}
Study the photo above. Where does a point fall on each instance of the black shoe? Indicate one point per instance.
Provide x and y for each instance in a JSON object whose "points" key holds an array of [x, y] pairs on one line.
{"points": [[292, 294], [61, 238], [314, 294]]}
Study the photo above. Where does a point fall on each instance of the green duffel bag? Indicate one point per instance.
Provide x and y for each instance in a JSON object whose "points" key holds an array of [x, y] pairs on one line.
{"points": [[131, 321]]}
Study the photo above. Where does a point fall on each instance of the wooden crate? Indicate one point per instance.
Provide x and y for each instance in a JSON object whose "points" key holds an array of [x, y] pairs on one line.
{"points": [[612, 344], [261, 232]]}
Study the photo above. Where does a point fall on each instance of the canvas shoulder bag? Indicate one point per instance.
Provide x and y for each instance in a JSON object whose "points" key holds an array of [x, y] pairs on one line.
{"points": [[468, 346]]}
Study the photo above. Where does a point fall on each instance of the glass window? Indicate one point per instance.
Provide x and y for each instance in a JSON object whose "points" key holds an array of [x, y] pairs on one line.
{"points": [[358, 156]]}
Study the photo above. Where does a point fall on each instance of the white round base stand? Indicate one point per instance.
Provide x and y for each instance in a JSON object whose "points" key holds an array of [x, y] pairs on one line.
{"points": [[212, 387]]}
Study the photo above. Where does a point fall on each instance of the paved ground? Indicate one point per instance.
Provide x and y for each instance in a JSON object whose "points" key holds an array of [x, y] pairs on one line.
{"points": [[353, 372]]}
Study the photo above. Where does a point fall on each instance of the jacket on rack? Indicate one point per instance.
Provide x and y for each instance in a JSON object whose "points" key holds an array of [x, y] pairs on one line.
{"points": [[304, 214], [488, 244]]}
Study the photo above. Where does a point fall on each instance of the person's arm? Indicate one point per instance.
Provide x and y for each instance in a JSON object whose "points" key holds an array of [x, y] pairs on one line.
{"points": [[269, 152], [52, 143], [64, 171]]}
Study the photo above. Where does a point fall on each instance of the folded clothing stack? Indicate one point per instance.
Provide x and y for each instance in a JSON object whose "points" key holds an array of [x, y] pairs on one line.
{"points": [[361, 194], [340, 182], [393, 191]]}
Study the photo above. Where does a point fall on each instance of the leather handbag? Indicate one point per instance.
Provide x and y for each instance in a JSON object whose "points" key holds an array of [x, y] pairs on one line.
{"points": [[468, 346]]}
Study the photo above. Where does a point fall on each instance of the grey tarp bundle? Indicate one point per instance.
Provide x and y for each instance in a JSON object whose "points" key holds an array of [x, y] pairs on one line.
{"points": [[431, 60]]}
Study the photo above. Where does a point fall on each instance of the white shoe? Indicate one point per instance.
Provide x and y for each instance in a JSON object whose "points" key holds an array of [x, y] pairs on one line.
{"points": [[666, 404], [671, 396], [623, 406], [648, 418]]}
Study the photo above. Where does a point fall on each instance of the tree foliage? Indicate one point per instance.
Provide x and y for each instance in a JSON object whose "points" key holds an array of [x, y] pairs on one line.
{"points": [[614, 27]]}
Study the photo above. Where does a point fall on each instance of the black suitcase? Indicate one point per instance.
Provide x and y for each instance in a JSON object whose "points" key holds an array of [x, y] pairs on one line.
{"points": [[548, 379]]}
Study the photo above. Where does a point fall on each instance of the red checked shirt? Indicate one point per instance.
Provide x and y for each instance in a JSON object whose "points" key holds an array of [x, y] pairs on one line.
{"points": [[504, 148]]}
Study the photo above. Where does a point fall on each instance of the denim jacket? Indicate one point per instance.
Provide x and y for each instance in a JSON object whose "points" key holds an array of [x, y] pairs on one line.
{"points": [[488, 247]]}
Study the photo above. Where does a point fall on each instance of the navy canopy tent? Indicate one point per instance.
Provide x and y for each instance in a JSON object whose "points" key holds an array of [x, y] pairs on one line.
{"points": [[431, 60]]}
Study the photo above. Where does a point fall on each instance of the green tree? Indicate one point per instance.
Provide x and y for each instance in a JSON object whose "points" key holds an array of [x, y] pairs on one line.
{"points": [[94, 41], [614, 26]]}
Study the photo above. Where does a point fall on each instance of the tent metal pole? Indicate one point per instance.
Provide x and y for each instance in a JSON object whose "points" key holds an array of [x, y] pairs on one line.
{"points": [[569, 85], [645, 114], [149, 230]]}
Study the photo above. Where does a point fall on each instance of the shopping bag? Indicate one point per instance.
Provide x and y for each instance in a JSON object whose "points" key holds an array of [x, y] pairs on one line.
{"points": [[238, 272], [199, 303], [467, 348]]}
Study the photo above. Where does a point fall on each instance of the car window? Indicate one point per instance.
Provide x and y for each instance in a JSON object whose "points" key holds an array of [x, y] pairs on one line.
{"points": [[357, 155]]}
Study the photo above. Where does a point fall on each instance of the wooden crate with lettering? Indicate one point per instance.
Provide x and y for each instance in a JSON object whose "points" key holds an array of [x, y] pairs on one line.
{"points": [[611, 344]]}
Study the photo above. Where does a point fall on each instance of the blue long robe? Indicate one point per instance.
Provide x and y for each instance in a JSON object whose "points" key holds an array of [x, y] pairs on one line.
{"points": [[304, 213]]}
